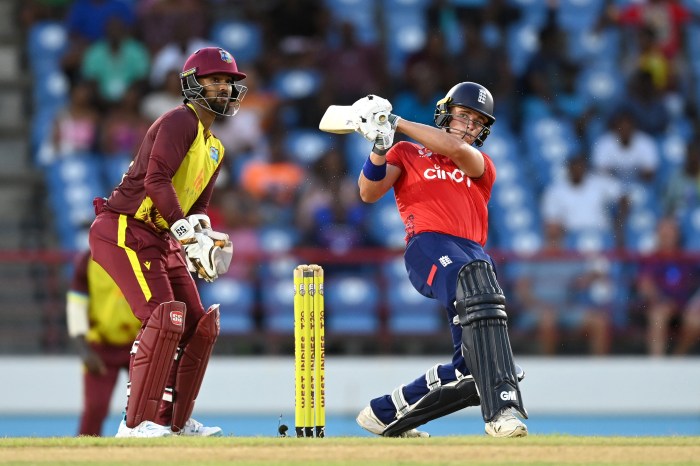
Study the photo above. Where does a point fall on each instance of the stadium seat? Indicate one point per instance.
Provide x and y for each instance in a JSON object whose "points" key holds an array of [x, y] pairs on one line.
{"points": [[406, 30], [277, 297], [352, 304], [72, 184], [52, 91], [295, 84], [243, 39], [411, 312], [358, 12], [356, 149], [601, 85], [521, 43], [385, 226], [114, 167], [588, 241], [46, 43], [690, 229], [578, 15], [278, 239], [237, 303], [307, 145]]}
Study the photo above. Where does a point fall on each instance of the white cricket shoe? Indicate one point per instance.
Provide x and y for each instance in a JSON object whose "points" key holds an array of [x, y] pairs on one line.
{"points": [[505, 424], [368, 421], [194, 428], [145, 429]]}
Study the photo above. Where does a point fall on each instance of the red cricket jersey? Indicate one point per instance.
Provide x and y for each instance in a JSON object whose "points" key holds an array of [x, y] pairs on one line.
{"points": [[432, 194]]}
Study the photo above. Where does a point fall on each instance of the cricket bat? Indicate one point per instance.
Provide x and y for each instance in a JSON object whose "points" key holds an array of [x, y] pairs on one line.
{"points": [[341, 119]]}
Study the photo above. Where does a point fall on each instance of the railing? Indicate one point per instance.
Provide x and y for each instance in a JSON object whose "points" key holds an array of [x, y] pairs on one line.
{"points": [[34, 283]]}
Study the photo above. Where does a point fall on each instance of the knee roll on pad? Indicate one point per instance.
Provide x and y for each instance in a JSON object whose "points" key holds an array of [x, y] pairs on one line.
{"points": [[192, 366], [485, 341], [154, 354]]}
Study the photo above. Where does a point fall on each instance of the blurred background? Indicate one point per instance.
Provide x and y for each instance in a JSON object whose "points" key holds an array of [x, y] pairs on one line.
{"points": [[594, 218]]}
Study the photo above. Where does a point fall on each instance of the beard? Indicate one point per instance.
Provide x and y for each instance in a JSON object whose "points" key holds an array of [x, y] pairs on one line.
{"points": [[218, 105]]}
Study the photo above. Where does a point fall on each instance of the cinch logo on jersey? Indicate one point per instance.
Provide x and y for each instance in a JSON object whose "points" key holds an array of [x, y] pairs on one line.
{"points": [[456, 175], [177, 318], [509, 395]]}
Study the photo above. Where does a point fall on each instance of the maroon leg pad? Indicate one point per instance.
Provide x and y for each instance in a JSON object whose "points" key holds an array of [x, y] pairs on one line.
{"points": [[154, 357], [192, 366]]}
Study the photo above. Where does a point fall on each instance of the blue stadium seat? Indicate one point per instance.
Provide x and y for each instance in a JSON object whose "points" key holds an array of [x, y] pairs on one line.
{"points": [[411, 312], [237, 303], [587, 241], [243, 39], [356, 149], [352, 304], [307, 145], [358, 12], [406, 29], [277, 298], [114, 167], [602, 85], [52, 91], [578, 15], [385, 226], [521, 43], [277, 268], [72, 184], [46, 43], [278, 239], [640, 230], [588, 46], [690, 229], [296, 84]]}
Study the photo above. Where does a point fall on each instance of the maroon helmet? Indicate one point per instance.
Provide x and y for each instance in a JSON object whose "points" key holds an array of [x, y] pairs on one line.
{"points": [[205, 62]]}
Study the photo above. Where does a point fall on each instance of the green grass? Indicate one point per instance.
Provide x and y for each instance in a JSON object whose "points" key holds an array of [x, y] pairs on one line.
{"points": [[457, 450]]}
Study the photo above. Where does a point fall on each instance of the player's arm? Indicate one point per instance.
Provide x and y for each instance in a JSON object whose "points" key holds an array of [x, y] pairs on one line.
{"points": [[468, 158], [377, 178]]}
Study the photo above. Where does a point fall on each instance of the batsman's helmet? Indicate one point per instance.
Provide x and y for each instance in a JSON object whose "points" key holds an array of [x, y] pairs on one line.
{"points": [[208, 61], [470, 95]]}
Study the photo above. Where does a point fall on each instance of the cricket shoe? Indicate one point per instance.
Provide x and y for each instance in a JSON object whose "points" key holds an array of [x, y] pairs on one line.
{"points": [[143, 430], [505, 424], [368, 421], [194, 428]]}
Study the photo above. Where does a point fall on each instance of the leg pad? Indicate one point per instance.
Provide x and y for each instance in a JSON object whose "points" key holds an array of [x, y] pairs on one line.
{"points": [[193, 365], [153, 356]]}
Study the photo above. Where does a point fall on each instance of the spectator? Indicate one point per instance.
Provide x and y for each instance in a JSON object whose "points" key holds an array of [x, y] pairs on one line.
{"points": [[75, 127], [87, 22], [163, 22], [102, 326], [563, 293], [625, 152], [581, 202], [664, 286], [420, 95], [647, 104], [171, 55], [124, 126], [330, 213], [164, 97], [115, 62], [351, 69], [274, 182], [683, 186]]}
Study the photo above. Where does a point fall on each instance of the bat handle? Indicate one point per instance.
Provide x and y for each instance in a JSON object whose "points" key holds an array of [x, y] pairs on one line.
{"points": [[380, 117]]}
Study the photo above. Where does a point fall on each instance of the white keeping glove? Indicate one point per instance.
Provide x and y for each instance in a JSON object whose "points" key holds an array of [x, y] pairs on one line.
{"points": [[199, 249]]}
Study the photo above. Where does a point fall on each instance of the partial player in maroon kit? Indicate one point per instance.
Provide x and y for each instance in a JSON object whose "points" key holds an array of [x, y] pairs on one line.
{"points": [[159, 208], [442, 186]]}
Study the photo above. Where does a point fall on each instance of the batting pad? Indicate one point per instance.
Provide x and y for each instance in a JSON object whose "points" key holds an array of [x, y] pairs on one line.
{"points": [[192, 366], [153, 359], [485, 342]]}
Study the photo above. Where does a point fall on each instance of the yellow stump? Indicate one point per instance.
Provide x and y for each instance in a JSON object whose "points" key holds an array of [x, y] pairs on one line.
{"points": [[319, 354]]}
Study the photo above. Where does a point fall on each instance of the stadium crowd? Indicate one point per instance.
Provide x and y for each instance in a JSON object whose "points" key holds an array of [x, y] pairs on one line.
{"points": [[595, 217]]}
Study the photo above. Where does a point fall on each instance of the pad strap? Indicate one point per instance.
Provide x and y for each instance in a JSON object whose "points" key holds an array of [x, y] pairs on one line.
{"points": [[193, 364], [399, 402], [432, 379]]}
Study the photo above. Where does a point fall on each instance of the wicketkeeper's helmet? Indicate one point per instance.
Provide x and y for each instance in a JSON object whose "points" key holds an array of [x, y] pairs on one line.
{"points": [[470, 95], [208, 61]]}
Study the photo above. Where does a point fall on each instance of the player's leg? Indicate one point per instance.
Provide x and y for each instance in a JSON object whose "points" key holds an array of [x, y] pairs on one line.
{"points": [[97, 394], [196, 344], [486, 347]]}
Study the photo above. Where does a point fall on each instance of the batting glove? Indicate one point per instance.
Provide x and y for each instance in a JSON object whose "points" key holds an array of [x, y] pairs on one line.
{"points": [[199, 249], [366, 107]]}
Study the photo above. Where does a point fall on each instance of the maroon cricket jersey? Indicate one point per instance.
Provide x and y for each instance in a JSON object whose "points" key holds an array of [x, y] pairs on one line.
{"points": [[173, 173]]}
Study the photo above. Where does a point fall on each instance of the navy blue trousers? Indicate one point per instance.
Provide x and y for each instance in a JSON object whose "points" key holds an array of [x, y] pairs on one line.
{"points": [[433, 261]]}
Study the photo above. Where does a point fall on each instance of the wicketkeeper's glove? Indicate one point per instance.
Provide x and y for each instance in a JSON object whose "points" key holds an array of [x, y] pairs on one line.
{"points": [[199, 249]]}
